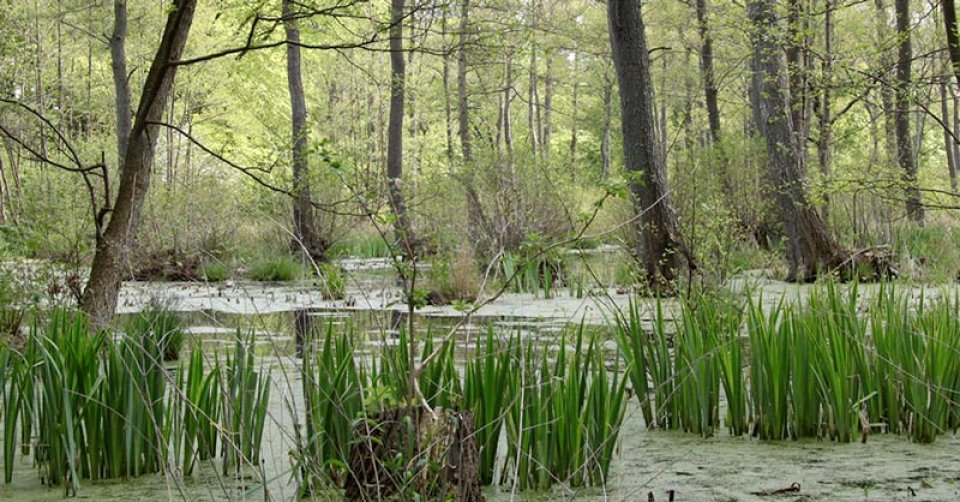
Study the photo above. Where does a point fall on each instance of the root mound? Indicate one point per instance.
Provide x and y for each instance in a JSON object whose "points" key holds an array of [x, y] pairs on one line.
{"points": [[402, 451]]}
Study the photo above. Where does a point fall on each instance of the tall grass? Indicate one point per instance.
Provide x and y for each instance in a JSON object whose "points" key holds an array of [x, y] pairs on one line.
{"points": [[827, 366], [94, 407]]}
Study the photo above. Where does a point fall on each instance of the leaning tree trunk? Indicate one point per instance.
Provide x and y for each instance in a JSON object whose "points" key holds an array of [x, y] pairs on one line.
{"points": [[113, 249], [901, 117], [118, 57], [811, 249], [398, 68], [307, 241], [659, 244]]}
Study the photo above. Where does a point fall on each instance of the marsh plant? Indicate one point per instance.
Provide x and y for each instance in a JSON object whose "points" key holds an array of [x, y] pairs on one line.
{"points": [[827, 366], [89, 405]]}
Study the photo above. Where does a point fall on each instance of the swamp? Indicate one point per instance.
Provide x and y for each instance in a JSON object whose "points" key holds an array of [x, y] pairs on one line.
{"points": [[466, 250]]}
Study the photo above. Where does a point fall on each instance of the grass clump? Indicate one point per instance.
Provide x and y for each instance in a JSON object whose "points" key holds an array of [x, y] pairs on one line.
{"points": [[332, 281], [158, 326], [280, 268], [214, 272]]}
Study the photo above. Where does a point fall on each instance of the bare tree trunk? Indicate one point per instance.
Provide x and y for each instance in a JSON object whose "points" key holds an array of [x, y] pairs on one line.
{"points": [[574, 124], [824, 154], [811, 249], [548, 107], [395, 130], [905, 157], [948, 137], [118, 56], [306, 241], [953, 37], [475, 215], [659, 244], [113, 249], [886, 88], [706, 69], [605, 153], [447, 106]]}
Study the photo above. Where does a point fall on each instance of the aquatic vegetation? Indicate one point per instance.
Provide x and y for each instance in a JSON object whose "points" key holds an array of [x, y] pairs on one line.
{"points": [[486, 377], [91, 406], [213, 271], [162, 327], [817, 368], [278, 268]]}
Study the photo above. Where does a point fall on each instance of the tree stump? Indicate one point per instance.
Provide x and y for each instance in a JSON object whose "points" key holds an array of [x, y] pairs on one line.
{"points": [[401, 451]]}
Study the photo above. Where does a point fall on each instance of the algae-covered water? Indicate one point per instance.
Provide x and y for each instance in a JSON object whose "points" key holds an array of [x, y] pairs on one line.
{"points": [[650, 463]]}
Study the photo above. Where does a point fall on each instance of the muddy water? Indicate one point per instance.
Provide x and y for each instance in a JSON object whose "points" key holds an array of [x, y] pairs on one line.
{"points": [[722, 468]]}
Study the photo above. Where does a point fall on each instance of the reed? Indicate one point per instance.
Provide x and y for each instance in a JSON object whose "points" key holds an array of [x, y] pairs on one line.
{"points": [[246, 397]]}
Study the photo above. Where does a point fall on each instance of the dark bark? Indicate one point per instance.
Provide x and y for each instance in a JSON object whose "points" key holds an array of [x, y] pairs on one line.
{"points": [[307, 241], [886, 87], [796, 75], [905, 157], [113, 249], [811, 249], [948, 137], [659, 244], [118, 57], [706, 70], [953, 37], [395, 131]]}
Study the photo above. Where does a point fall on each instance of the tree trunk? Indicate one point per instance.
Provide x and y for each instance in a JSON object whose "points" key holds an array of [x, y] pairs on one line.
{"points": [[811, 249], [118, 56], [548, 107], [447, 106], [948, 137], [953, 37], [797, 77], [824, 154], [905, 158], [395, 131], [659, 244], [574, 125], [706, 69], [113, 250], [475, 215], [605, 152], [306, 242], [886, 62]]}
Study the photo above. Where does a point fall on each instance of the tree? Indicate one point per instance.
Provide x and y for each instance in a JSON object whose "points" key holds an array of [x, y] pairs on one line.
{"points": [[659, 244], [113, 248], [118, 58], [307, 240], [901, 117], [395, 130], [811, 250]]}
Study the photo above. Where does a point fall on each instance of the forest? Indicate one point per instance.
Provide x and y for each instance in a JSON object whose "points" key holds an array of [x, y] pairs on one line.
{"points": [[479, 249]]}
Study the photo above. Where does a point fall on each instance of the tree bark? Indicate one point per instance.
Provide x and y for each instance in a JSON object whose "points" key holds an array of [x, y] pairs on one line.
{"points": [[118, 57], [659, 244], [548, 107], [475, 214], [306, 241], [824, 154], [901, 118], [606, 161], [886, 87], [948, 137], [395, 131], [953, 37], [706, 70], [811, 249], [113, 250], [574, 120]]}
